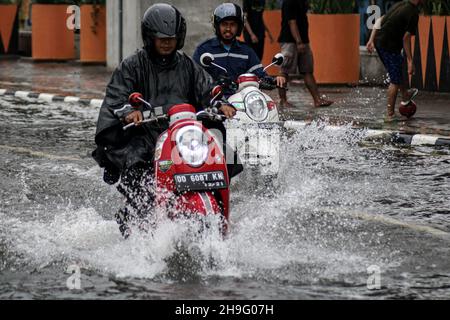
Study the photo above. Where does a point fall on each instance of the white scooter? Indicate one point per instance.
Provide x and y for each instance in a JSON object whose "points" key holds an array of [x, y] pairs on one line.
{"points": [[255, 131]]}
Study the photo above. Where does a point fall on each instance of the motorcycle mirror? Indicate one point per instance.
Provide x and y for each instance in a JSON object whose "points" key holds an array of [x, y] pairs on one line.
{"points": [[206, 59], [278, 59], [135, 100]]}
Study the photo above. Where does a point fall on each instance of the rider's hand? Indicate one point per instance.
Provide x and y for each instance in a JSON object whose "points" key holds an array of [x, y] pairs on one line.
{"points": [[281, 81], [136, 117], [254, 38], [228, 111]]}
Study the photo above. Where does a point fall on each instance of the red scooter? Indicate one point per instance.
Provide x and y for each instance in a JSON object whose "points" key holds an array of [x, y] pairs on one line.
{"points": [[191, 176]]}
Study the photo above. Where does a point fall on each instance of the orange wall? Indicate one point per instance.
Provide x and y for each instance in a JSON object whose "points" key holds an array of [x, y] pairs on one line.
{"points": [[51, 39], [334, 41], [335, 44], [93, 45], [8, 13], [272, 20]]}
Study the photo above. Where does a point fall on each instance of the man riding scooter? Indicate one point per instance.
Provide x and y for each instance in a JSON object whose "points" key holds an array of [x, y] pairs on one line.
{"points": [[165, 77], [234, 56], [255, 133]]}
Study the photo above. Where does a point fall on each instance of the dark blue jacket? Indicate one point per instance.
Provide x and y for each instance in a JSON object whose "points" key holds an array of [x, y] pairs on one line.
{"points": [[239, 60]]}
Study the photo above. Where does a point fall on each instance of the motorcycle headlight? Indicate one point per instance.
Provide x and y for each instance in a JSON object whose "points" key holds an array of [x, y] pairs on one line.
{"points": [[256, 106], [192, 144]]}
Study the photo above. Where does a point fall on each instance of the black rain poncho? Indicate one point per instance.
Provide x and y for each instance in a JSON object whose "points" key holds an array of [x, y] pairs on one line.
{"points": [[163, 83]]}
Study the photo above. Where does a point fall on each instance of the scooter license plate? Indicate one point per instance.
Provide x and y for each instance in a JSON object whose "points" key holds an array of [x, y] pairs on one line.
{"points": [[200, 181]]}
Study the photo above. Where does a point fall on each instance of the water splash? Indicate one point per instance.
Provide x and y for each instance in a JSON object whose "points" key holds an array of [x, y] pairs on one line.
{"points": [[293, 236]]}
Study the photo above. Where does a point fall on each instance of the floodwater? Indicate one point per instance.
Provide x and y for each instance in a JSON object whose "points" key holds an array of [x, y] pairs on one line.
{"points": [[350, 220]]}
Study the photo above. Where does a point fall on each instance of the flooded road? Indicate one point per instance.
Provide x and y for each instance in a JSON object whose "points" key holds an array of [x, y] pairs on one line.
{"points": [[347, 212]]}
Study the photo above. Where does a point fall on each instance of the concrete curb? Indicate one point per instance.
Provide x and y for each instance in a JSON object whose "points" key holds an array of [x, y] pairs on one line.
{"points": [[395, 137], [51, 97]]}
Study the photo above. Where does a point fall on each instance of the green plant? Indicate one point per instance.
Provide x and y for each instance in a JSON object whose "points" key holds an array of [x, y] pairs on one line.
{"points": [[332, 6], [9, 1], [437, 7]]}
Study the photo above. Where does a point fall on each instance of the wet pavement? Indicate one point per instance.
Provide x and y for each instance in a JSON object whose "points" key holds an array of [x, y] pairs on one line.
{"points": [[344, 207], [362, 106], [346, 212]]}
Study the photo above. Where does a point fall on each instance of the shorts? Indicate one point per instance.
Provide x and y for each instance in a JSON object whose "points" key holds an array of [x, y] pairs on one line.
{"points": [[393, 62], [294, 61]]}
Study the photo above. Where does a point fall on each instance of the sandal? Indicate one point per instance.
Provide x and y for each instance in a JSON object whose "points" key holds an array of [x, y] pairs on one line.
{"points": [[324, 103], [391, 118], [286, 104]]}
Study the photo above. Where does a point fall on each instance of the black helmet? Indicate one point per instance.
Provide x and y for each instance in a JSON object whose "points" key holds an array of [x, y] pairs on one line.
{"points": [[229, 11], [162, 20]]}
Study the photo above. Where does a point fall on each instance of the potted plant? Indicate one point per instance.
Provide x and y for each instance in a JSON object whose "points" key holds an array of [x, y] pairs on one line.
{"points": [[334, 36], [430, 55], [93, 31], [9, 27], [52, 36]]}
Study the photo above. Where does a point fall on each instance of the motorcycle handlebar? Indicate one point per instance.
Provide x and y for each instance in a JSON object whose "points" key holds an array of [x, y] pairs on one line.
{"points": [[267, 86], [212, 115], [131, 125], [271, 85]]}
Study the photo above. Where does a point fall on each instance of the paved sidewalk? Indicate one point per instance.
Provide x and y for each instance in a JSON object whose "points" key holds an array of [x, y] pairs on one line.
{"points": [[363, 106]]}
